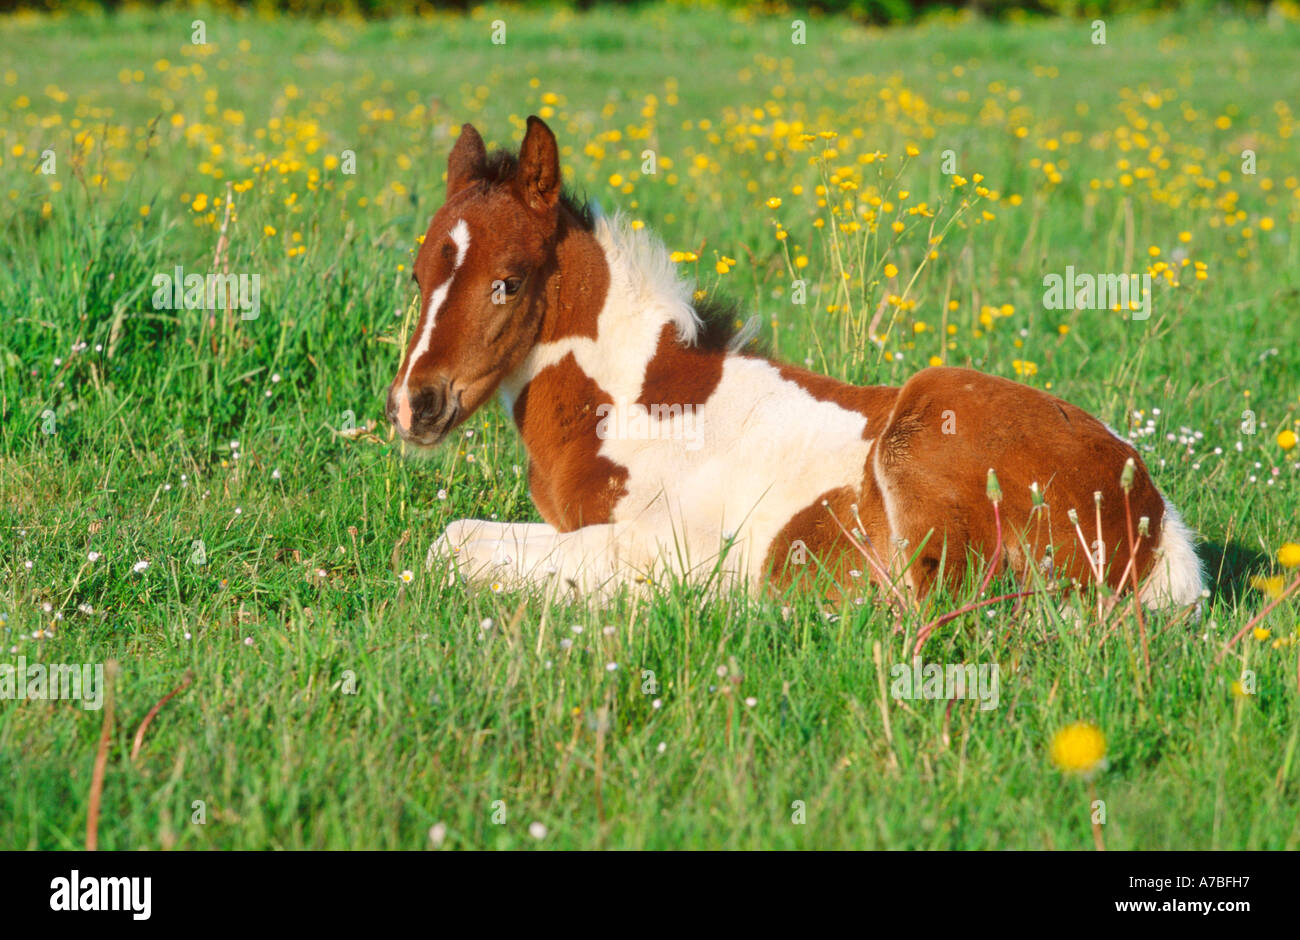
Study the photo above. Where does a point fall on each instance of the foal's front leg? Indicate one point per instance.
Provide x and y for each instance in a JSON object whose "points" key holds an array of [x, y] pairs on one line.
{"points": [[473, 546], [593, 559]]}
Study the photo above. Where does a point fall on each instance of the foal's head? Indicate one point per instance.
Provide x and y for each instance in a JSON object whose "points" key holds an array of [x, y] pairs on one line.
{"points": [[482, 271]]}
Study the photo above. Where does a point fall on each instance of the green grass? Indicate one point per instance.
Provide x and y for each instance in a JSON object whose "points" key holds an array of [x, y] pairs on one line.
{"points": [[306, 532]]}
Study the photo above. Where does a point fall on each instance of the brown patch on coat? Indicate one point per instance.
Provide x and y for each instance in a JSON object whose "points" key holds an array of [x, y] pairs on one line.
{"points": [[572, 485], [678, 374], [939, 480]]}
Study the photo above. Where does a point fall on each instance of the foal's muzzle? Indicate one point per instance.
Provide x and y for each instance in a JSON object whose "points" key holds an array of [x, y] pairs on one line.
{"points": [[431, 411]]}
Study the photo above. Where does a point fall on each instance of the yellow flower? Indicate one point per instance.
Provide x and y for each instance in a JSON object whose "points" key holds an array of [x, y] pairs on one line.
{"points": [[891, 271], [1271, 586], [1286, 439], [1288, 556], [1079, 748], [268, 230], [1261, 633], [774, 203]]}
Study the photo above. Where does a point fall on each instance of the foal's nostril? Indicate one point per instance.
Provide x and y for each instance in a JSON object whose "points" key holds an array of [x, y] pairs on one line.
{"points": [[425, 413], [427, 405]]}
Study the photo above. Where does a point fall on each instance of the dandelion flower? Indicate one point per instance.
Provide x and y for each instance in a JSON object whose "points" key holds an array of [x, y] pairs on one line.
{"points": [[1272, 586], [1079, 748], [1288, 556]]}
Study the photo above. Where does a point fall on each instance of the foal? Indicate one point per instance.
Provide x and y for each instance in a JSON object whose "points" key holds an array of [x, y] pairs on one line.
{"points": [[654, 447]]}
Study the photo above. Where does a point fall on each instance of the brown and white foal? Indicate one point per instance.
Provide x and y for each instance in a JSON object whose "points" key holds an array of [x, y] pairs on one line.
{"points": [[654, 447]]}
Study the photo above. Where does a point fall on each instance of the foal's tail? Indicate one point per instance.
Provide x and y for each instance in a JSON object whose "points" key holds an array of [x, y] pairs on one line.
{"points": [[1177, 576]]}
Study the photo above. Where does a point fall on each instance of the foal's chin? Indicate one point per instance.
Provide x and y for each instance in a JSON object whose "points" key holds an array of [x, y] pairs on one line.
{"points": [[422, 447], [425, 442]]}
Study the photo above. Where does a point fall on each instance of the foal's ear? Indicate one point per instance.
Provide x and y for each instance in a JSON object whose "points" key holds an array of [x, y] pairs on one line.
{"points": [[539, 167], [467, 162]]}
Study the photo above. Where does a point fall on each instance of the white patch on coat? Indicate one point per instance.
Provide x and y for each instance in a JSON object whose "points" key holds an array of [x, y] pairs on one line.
{"points": [[769, 447]]}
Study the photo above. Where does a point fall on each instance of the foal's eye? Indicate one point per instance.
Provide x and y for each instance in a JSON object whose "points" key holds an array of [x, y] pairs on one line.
{"points": [[511, 285]]}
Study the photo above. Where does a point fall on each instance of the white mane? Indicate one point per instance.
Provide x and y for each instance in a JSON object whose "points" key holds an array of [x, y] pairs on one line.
{"points": [[641, 269]]}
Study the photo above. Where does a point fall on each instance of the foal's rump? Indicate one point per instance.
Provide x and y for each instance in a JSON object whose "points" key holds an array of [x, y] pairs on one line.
{"points": [[951, 426]]}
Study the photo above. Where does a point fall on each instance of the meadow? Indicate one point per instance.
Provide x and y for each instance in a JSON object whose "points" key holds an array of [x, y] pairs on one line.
{"points": [[214, 504]]}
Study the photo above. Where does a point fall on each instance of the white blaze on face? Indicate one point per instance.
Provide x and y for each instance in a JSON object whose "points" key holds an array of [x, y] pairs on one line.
{"points": [[459, 237]]}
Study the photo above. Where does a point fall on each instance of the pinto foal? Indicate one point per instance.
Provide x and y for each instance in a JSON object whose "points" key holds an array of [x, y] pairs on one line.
{"points": [[655, 447]]}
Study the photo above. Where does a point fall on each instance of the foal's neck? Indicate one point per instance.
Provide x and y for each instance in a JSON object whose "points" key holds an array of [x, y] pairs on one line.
{"points": [[612, 301], [577, 283]]}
